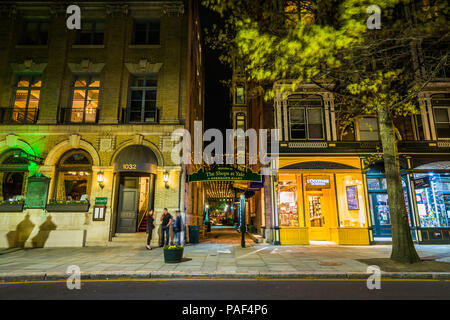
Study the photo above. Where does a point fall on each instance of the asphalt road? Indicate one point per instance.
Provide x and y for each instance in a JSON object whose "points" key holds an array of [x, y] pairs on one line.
{"points": [[228, 290]]}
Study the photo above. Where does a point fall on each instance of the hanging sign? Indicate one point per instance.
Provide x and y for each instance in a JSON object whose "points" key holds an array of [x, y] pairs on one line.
{"points": [[225, 173], [422, 183]]}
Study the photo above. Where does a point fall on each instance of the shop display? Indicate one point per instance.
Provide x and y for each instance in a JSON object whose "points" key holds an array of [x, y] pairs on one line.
{"points": [[315, 211], [433, 201], [352, 198]]}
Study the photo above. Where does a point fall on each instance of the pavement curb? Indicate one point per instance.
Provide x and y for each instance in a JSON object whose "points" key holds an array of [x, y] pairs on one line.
{"points": [[111, 275]]}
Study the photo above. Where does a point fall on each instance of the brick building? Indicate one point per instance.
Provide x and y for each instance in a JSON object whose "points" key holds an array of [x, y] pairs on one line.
{"points": [[87, 116]]}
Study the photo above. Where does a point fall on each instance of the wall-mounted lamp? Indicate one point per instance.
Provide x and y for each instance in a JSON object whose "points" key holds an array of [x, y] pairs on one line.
{"points": [[166, 179], [100, 179]]}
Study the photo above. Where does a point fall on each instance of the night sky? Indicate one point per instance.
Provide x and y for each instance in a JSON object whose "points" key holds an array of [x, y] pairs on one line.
{"points": [[217, 96]]}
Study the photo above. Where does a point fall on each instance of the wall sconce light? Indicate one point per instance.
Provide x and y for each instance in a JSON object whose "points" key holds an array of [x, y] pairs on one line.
{"points": [[166, 179], [100, 179]]}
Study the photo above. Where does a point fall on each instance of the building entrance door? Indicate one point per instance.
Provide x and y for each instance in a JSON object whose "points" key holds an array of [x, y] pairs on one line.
{"points": [[381, 216], [128, 205], [317, 216]]}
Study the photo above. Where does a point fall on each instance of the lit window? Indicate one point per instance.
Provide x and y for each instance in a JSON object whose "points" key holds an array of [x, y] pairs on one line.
{"points": [[74, 176], [288, 200], [27, 91], [85, 95], [240, 121]]}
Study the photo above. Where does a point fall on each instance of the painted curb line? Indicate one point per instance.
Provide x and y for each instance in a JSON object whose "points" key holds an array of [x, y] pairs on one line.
{"points": [[51, 276]]}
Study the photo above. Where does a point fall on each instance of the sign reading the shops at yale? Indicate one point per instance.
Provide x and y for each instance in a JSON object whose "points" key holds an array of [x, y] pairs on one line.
{"points": [[37, 191], [225, 173]]}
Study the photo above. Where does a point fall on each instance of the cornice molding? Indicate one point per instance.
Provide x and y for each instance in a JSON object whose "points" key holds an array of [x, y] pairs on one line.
{"points": [[86, 66], [28, 66]]}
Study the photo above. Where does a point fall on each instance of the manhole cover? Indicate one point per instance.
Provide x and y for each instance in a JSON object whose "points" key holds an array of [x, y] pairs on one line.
{"points": [[325, 263]]}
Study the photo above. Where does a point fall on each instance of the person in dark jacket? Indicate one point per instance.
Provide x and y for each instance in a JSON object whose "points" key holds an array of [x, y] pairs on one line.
{"points": [[177, 228], [150, 227]]}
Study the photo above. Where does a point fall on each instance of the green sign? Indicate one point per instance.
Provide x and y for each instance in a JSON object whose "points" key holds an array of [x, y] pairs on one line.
{"points": [[101, 201], [37, 191], [225, 173]]}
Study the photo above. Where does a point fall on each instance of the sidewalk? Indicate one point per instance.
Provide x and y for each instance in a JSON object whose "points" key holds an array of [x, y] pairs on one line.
{"points": [[324, 260]]}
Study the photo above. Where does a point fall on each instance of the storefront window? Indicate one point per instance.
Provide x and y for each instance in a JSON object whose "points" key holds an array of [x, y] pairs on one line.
{"points": [[74, 176], [350, 200], [287, 187], [433, 199], [13, 172]]}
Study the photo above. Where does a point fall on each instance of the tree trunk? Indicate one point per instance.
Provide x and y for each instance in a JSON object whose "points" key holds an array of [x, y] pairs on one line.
{"points": [[402, 244]]}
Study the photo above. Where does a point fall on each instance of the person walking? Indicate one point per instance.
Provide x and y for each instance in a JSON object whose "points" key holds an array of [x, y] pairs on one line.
{"points": [[150, 227], [177, 228], [166, 219]]}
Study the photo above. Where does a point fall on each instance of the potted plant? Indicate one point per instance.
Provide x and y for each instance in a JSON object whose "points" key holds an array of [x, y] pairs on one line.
{"points": [[11, 206], [173, 254], [68, 206]]}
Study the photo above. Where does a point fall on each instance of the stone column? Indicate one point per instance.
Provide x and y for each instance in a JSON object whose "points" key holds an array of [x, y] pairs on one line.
{"points": [[54, 74], [8, 23], [117, 26]]}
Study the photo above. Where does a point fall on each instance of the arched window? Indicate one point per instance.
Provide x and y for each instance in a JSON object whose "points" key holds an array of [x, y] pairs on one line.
{"points": [[305, 117], [74, 174], [13, 172]]}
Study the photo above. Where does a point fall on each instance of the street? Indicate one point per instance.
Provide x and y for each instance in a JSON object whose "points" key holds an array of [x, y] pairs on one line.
{"points": [[186, 289]]}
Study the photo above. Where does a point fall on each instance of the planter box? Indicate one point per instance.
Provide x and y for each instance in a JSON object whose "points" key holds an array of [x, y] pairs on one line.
{"points": [[73, 207], [173, 256], [16, 207]]}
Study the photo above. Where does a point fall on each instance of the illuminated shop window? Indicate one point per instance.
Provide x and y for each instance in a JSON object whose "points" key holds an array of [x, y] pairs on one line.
{"points": [[34, 32], [305, 117], [146, 32], [92, 32], [350, 200], [433, 199], [13, 174], [85, 98], [74, 176], [287, 198], [441, 112], [368, 129], [142, 104], [25, 102]]}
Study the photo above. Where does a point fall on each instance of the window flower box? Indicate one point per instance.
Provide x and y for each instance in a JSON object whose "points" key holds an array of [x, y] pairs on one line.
{"points": [[68, 206], [173, 254], [11, 206]]}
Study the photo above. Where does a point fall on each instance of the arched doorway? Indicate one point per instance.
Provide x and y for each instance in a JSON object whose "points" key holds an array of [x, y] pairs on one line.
{"points": [[135, 168]]}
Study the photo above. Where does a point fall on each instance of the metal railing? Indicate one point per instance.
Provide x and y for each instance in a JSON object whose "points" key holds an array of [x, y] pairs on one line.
{"points": [[78, 116], [147, 117], [10, 115]]}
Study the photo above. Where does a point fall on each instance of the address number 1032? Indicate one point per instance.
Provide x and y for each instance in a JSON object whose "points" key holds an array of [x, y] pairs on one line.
{"points": [[129, 166]]}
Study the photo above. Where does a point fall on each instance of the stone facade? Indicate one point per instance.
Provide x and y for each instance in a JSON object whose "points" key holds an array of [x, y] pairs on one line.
{"points": [[50, 138]]}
